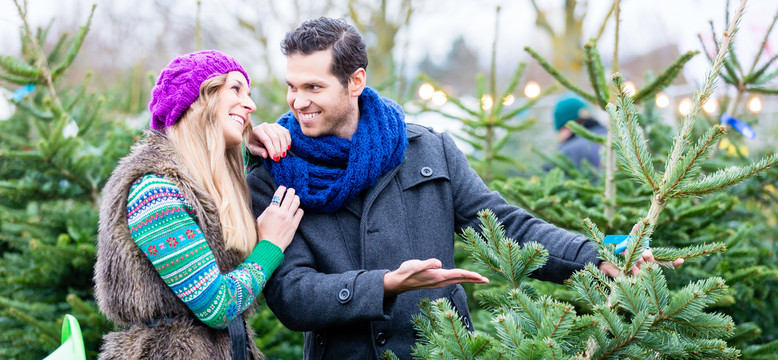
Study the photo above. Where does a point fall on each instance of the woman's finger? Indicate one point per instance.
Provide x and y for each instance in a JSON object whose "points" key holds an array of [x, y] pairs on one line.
{"points": [[284, 140], [288, 199], [269, 140], [278, 196]]}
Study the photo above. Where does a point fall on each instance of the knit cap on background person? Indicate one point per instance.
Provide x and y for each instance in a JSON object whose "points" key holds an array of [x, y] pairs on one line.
{"points": [[569, 108], [178, 85]]}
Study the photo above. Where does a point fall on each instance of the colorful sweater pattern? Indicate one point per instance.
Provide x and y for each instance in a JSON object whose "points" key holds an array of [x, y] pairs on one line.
{"points": [[162, 223]]}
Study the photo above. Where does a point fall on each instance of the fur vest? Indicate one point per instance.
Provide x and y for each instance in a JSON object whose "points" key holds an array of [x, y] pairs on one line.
{"points": [[128, 289]]}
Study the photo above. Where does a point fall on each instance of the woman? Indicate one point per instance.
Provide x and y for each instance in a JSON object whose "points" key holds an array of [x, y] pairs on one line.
{"points": [[180, 256]]}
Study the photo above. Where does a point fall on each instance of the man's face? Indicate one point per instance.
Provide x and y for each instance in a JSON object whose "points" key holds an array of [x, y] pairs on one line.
{"points": [[320, 103]]}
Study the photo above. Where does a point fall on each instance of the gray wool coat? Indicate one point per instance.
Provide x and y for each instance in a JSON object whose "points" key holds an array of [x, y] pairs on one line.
{"points": [[331, 282], [131, 293]]}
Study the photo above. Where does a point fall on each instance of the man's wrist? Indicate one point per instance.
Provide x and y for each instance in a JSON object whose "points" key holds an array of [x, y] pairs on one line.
{"points": [[390, 284]]}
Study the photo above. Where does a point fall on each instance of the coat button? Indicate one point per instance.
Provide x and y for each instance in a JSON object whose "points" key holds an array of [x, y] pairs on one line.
{"points": [[426, 171], [466, 321], [320, 339], [343, 294], [380, 339]]}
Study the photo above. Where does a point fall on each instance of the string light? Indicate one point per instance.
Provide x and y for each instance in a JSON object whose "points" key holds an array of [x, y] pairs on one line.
{"points": [[754, 104], [685, 107], [711, 106], [508, 100], [439, 98], [487, 102], [629, 88], [532, 89], [662, 101], [426, 91]]}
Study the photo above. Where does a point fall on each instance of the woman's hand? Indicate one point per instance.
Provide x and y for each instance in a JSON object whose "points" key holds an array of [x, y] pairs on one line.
{"points": [[269, 140], [280, 219]]}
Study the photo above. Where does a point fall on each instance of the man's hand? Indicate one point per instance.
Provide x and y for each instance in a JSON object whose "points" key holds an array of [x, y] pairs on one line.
{"points": [[269, 140], [647, 257], [427, 274]]}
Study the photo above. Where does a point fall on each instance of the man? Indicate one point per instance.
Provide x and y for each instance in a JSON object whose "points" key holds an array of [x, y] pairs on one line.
{"points": [[575, 147], [378, 195]]}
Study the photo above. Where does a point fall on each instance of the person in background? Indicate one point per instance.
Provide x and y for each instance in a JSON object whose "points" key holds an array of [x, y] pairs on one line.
{"points": [[568, 108], [180, 257]]}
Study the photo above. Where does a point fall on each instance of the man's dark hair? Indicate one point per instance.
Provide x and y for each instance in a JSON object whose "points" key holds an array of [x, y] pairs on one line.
{"points": [[349, 51]]}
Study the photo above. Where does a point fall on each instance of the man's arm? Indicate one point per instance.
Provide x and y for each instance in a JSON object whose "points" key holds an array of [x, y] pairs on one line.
{"points": [[568, 252], [305, 299]]}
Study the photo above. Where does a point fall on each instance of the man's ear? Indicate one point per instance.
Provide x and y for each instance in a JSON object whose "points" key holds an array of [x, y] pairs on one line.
{"points": [[357, 82]]}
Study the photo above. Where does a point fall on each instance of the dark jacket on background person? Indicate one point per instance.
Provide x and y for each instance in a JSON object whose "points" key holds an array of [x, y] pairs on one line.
{"points": [[577, 148], [331, 282], [153, 322]]}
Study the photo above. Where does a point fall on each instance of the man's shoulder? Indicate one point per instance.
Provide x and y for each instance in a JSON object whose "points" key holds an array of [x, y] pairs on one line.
{"points": [[416, 130], [259, 172]]}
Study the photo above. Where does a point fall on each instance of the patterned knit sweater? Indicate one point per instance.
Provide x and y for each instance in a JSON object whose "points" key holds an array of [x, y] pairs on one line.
{"points": [[162, 224]]}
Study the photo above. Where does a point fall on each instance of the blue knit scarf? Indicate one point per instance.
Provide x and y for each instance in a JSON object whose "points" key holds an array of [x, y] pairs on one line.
{"points": [[328, 171]]}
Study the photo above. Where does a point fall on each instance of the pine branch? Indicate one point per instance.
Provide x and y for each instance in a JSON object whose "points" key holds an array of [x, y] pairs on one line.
{"points": [[588, 290], [583, 132], [725, 178], [664, 255], [75, 47], [763, 90], [692, 299], [559, 77], [17, 67], [631, 143], [688, 167], [596, 74], [664, 79], [758, 73], [702, 96]]}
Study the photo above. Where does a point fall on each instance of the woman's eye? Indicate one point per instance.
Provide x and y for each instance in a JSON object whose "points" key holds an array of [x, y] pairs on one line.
{"points": [[236, 88]]}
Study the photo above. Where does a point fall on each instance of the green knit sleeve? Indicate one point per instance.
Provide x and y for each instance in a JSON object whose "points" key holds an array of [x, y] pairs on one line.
{"points": [[163, 225]]}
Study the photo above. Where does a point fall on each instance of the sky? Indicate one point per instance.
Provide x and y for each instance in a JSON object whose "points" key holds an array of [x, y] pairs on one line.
{"points": [[645, 24]]}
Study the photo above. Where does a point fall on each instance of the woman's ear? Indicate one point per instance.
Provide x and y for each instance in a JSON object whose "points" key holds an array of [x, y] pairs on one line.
{"points": [[356, 83]]}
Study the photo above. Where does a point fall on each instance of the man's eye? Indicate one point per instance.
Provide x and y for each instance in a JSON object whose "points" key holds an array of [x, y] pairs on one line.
{"points": [[315, 87]]}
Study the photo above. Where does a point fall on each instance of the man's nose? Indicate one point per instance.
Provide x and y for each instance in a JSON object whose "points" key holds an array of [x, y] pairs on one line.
{"points": [[301, 101]]}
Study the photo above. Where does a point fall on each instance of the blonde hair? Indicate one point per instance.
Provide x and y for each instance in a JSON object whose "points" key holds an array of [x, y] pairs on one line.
{"points": [[199, 139]]}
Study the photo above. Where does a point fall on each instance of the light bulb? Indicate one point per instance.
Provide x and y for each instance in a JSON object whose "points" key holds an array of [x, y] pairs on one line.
{"points": [[754, 104], [439, 98], [532, 89], [487, 102], [711, 106], [662, 101], [685, 107], [426, 91], [508, 100]]}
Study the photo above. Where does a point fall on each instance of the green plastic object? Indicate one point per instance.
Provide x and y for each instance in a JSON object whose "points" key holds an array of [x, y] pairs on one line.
{"points": [[72, 347]]}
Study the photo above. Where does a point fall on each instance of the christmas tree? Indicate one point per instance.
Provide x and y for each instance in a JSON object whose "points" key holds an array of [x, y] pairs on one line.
{"points": [[56, 152], [567, 194]]}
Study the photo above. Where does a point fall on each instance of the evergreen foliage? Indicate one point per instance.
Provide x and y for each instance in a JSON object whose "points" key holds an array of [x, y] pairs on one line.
{"points": [[635, 317], [678, 176], [56, 153]]}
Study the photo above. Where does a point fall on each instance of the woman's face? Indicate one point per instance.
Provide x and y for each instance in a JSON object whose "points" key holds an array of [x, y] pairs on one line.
{"points": [[234, 108]]}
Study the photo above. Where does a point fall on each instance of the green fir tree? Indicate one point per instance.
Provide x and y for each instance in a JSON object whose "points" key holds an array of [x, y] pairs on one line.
{"points": [[56, 152], [693, 219]]}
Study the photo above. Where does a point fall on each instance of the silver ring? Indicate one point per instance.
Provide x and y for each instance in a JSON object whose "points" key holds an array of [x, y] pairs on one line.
{"points": [[276, 200]]}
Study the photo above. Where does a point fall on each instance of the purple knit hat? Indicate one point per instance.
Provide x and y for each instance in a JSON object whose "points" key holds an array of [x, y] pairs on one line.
{"points": [[179, 83]]}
